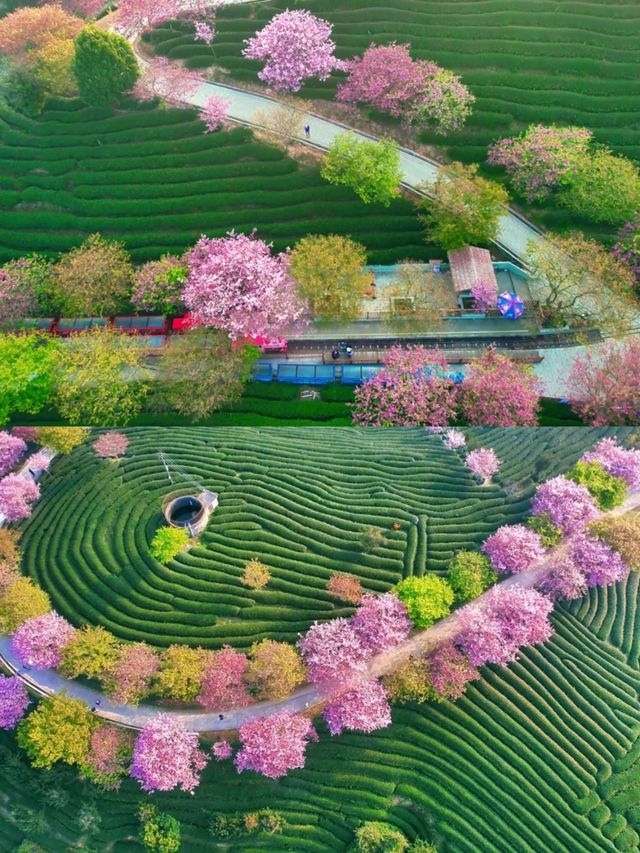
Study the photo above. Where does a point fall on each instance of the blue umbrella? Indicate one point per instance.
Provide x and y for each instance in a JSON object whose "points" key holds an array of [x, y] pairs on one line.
{"points": [[510, 305]]}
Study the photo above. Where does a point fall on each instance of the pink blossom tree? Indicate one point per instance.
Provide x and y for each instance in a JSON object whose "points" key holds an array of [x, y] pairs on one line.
{"points": [[619, 461], [167, 756], [39, 461], [159, 285], [14, 701], [16, 495], [499, 392], [223, 686], [295, 46], [627, 248], [204, 31], [129, 678], [565, 580], [454, 439], [214, 113], [363, 709], [484, 463], [221, 750], [111, 445], [450, 671], [237, 285], [604, 384], [507, 618], [108, 756], [18, 297], [39, 642], [27, 434], [540, 158], [597, 560], [381, 622], [412, 389], [333, 653], [513, 548], [274, 745], [569, 505], [485, 295], [166, 80], [135, 16], [12, 449]]}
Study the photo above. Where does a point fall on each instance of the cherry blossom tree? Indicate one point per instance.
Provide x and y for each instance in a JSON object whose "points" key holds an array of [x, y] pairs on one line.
{"points": [[506, 619], [450, 672], [237, 285], [513, 548], [346, 587], [363, 709], [109, 752], [214, 113], [381, 622], [158, 285], [110, 445], [333, 653], [223, 687], [12, 449], [485, 295], [274, 745], [597, 560], [565, 580], [28, 29], [627, 249], [167, 80], [27, 434], [39, 461], [483, 463], [18, 296], [412, 389], [619, 461], [221, 750], [16, 496], [204, 31], [128, 678], [14, 701], [167, 756], [135, 16], [604, 384], [39, 642], [569, 505], [499, 392], [294, 46], [540, 158]]}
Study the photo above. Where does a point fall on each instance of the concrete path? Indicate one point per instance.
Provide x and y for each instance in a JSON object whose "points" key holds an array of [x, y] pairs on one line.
{"points": [[306, 699]]}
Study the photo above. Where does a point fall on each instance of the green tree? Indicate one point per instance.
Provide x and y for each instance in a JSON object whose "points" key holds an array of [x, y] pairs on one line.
{"points": [[181, 672], [546, 529], [371, 169], [463, 208], [20, 601], [160, 832], [58, 730], [100, 378], [603, 187], [331, 275], [428, 598], [62, 439], [92, 651], [22, 89], [104, 66], [470, 574], [168, 542], [27, 373], [378, 837], [609, 491]]}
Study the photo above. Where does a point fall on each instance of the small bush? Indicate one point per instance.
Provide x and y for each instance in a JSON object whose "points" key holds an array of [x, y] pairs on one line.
{"points": [[545, 528], [470, 574], [160, 832], [167, 543], [378, 837], [256, 575], [62, 439], [372, 538]]}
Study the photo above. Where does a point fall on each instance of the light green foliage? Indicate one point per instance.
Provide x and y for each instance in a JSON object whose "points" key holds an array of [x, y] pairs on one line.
{"points": [[62, 439], [371, 169], [378, 837], [168, 542], [470, 573], [27, 373], [104, 66], [603, 187], [58, 730], [160, 832], [609, 491], [91, 651], [427, 598], [545, 528]]}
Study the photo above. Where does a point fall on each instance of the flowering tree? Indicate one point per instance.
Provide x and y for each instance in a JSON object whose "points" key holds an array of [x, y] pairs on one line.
{"points": [[454, 439], [167, 756], [12, 449], [18, 293], [214, 113], [412, 389], [363, 709], [604, 386], [509, 617], [541, 157], [345, 587], [167, 80], [381, 622], [568, 504], [276, 669], [204, 31], [27, 434], [483, 463], [39, 642], [622, 534], [135, 16], [274, 745], [427, 598], [255, 575], [499, 392], [109, 752], [21, 600], [16, 496], [158, 285], [181, 672], [28, 29], [333, 653], [128, 678], [221, 750], [223, 686], [91, 651], [485, 295], [597, 560], [513, 548], [450, 672], [294, 46], [14, 701], [110, 445], [39, 461], [627, 249], [237, 285], [565, 580], [622, 462]]}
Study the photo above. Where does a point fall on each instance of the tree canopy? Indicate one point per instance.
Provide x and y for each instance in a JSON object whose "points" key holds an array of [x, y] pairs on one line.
{"points": [[104, 66]]}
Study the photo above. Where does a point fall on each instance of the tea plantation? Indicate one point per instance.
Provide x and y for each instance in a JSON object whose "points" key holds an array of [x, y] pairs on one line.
{"points": [[151, 178]]}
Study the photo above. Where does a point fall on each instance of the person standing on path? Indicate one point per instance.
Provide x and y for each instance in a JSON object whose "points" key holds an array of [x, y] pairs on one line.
{"points": [[307, 131]]}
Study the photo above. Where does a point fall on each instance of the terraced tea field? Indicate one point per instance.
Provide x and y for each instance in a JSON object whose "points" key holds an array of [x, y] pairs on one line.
{"points": [[151, 178], [297, 499]]}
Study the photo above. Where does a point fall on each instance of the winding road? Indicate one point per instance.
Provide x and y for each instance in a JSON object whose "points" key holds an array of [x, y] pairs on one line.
{"points": [[307, 699]]}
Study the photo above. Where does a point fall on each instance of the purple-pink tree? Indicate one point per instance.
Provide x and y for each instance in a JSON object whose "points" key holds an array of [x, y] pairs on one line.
{"points": [[450, 671], [14, 701], [167, 756], [513, 548], [167, 80], [221, 750], [39, 642], [363, 709], [110, 445], [16, 495], [381, 622], [214, 113], [333, 653], [237, 285], [12, 449], [223, 686], [599, 563], [623, 462], [295, 46], [565, 580], [274, 745], [569, 505], [498, 391], [484, 463]]}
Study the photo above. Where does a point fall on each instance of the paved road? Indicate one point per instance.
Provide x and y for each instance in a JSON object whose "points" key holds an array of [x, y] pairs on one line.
{"points": [[48, 681]]}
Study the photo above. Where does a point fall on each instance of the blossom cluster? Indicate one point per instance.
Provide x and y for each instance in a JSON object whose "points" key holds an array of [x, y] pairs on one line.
{"points": [[12, 449], [39, 642], [616, 460], [16, 496], [274, 745], [14, 701], [167, 756], [513, 548], [569, 505], [363, 709], [483, 462]]}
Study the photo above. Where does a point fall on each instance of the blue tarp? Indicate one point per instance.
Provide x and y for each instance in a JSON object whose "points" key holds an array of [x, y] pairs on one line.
{"points": [[307, 374], [262, 371], [356, 374]]}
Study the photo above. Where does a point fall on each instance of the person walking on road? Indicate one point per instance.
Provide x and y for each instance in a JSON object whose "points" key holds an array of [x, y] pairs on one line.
{"points": [[307, 131]]}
